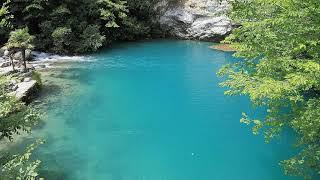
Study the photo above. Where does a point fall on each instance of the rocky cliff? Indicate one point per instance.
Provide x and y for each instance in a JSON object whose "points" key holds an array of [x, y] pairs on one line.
{"points": [[194, 19]]}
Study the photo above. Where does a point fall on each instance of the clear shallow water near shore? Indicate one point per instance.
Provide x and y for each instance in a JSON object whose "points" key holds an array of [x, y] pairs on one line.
{"points": [[153, 111]]}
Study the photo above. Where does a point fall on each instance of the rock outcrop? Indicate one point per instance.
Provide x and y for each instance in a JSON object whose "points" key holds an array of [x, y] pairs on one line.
{"points": [[18, 55], [24, 89], [4, 53], [194, 19], [21, 85]]}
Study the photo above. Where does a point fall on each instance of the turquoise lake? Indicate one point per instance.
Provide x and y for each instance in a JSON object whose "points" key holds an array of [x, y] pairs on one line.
{"points": [[154, 110]]}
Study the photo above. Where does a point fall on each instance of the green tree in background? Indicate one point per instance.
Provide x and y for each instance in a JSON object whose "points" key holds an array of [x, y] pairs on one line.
{"points": [[76, 26], [279, 44]]}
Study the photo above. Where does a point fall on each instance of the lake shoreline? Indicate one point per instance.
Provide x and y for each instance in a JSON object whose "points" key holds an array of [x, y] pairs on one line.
{"points": [[49, 67]]}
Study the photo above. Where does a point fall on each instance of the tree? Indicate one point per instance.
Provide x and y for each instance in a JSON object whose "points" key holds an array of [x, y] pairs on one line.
{"points": [[58, 25], [279, 44], [111, 11], [20, 40], [92, 40], [11, 59], [61, 38]]}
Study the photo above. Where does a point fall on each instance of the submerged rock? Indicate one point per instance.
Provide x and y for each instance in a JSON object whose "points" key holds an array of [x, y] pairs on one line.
{"points": [[195, 19]]}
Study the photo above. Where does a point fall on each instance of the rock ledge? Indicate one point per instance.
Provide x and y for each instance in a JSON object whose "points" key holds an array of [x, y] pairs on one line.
{"points": [[24, 89]]}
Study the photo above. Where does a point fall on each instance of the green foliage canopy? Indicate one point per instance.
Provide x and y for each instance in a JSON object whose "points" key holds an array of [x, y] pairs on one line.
{"points": [[279, 44], [76, 26], [20, 39]]}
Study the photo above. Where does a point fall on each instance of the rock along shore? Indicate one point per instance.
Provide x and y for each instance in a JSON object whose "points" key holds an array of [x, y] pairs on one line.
{"points": [[24, 84]]}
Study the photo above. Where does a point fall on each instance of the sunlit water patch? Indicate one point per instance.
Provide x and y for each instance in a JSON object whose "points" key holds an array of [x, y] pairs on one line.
{"points": [[153, 111]]}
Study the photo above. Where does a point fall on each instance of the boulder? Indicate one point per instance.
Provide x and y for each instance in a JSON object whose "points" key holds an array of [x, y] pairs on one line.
{"points": [[6, 53], [14, 87], [195, 19], [24, 89], [6, 71], [5, 64], [3, 50], [30, 66], [13, 81], [27, 74], [27, 79], [18, 55], [210, 28]]}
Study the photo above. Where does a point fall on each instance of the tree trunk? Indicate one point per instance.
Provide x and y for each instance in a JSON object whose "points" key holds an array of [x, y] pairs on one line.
{"points": [[24, 59], [11, 61]]}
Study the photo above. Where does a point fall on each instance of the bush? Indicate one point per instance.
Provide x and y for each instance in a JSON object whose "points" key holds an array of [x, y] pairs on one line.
{"points": [[37, 76]]}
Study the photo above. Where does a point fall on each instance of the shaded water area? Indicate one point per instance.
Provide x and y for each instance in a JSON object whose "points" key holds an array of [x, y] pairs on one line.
{"points": [[152, 111]]}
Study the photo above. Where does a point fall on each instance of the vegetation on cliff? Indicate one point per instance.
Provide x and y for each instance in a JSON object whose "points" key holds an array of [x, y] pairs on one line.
{"points": [[278, 42]]}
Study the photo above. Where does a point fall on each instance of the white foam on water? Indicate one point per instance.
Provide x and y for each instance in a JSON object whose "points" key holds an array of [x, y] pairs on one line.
{"points": [[49, 57]]}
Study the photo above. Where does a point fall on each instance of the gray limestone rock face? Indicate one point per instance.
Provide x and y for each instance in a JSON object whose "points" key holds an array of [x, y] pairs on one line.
{"points": [[195, 19], [3, 50], [4, 64], [18, 55]]}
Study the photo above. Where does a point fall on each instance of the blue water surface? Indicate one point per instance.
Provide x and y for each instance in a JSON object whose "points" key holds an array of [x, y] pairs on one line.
{"points": [[154, 111]]}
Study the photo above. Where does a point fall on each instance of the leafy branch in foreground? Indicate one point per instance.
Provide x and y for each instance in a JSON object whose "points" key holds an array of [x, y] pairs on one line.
{"points": [[21, 166], [279, 44], [15, 116], [5, 15]]}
